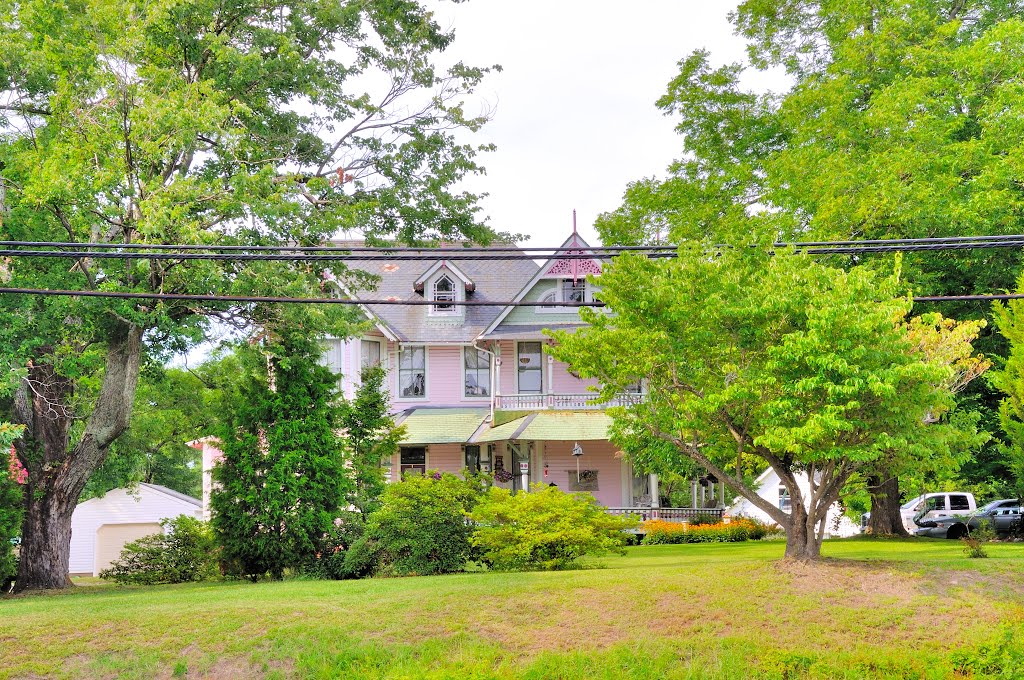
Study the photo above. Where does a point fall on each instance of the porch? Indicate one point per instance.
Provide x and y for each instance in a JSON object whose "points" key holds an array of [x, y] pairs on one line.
{"points": [[565, 402]]}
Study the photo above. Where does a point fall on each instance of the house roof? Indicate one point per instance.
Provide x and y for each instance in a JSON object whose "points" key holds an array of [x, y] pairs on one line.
{"points": [[574, 244], [440, 425], [494, 280], [450, 266], [561, 426], [173, 494]]}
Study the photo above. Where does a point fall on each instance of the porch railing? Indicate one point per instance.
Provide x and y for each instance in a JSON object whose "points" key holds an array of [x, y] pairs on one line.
{"points": [[668, 514], [563, 402]]}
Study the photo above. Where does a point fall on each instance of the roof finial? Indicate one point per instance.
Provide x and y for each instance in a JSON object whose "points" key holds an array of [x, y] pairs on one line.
{"points": [[574, 221]]}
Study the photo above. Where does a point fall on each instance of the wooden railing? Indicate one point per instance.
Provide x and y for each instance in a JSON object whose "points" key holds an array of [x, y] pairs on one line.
{"points": [[668, 514], [563, 402]]}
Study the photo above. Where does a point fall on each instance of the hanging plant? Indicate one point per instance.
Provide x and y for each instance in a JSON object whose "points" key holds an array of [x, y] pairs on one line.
{"points": [[503, 476]]}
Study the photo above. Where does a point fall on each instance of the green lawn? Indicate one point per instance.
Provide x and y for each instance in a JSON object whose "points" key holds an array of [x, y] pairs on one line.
{"points": [[907, 609]]}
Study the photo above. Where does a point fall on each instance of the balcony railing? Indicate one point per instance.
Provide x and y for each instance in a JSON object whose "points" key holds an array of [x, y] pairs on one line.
{"points": [[563, 402], [668, 514]]}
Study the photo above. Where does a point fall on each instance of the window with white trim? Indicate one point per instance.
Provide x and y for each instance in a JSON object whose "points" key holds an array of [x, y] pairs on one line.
{"points": [[412, 459], [444, 292], [477, 366], [574, 290], [369, 353], [530, 373], [785, 504], [412, 372]]}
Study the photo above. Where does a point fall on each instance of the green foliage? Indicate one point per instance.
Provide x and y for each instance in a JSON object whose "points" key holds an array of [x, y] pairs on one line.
{"points": [[1009, 380], [185, 552], [371, 437], [282, 479], [11, 506], [421, 526], [544, 529], [330, 561], [172, 406], [205, 122], [778, 359]]}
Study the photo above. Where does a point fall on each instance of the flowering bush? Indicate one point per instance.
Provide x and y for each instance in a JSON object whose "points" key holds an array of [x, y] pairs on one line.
{"points": [[16, 471], [12, 477], [657, 532]]}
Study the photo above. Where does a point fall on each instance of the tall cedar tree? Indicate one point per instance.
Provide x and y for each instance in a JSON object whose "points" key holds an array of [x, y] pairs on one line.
{"points": [[282, 481], [903, 119], [215, 122], [371, 438]]}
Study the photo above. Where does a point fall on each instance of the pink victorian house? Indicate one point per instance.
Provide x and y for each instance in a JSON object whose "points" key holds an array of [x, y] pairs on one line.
{"points": [[475, 387]]}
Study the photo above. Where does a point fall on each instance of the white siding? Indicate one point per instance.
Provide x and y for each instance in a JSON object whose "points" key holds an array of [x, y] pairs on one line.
{"points": [[837, 524], [143, 504]]}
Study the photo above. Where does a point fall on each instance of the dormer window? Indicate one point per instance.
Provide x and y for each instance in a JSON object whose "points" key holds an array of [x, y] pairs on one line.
{"points": [[444, 292]]}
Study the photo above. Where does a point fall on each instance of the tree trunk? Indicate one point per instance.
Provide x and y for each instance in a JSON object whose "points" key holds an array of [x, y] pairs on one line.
{"points": [[885, 506], [57, 472], [802, 542]]}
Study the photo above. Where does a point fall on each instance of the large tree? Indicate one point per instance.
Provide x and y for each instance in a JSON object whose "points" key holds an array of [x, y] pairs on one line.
{"points": [[801, 367], [221, 122], [283, 479], [902, 120], [371, 437]]}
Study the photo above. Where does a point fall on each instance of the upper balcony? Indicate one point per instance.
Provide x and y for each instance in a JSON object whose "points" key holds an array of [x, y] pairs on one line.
{"points": [[562, 402]]}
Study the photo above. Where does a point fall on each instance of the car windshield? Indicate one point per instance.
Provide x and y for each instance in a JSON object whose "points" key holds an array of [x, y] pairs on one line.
{"points": [[910, 505]]}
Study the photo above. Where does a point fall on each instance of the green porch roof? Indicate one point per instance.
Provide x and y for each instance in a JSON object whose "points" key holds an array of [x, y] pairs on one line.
{"points": [[441, 425], [552, 426]]}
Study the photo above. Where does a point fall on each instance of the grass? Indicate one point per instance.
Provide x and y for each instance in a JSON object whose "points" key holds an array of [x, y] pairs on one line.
{"points": [[904, 609]]}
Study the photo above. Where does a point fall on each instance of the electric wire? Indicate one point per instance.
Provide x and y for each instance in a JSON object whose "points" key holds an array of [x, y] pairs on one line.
{"points": [[394, 302]]}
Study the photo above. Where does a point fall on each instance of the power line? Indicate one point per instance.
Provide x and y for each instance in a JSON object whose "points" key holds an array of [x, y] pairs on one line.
{"points": [[392, 301], [503, 253], [422, 255]]}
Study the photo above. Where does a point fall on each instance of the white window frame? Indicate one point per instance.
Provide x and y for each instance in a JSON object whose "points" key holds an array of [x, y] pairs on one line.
{"points": [[557, 291], [491, 367], [381, 352], [453, 309], [542, 362], [786, 506], [426, 373]]}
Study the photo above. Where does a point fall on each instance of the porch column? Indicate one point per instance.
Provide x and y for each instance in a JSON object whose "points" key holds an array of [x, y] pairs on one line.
{"points": [[721, 494], [693, 493], [654, 490]]}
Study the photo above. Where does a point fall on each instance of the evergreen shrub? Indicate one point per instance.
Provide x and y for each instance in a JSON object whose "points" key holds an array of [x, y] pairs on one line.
{"points": [[186, 552], [544, 529], [420, 528]]}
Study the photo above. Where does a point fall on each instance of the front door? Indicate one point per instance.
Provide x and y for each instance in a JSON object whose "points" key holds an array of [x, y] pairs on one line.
{"points": [[517, 452]]}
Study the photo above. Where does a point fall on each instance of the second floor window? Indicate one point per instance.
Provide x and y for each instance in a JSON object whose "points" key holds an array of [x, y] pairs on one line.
{"points": [[412, 372], [444, 295], [529, 368], [369, 353], [478, 372], [574, 291]]}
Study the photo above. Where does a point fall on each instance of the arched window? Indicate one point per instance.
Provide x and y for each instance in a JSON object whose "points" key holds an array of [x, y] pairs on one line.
{"points": [[444, 292]]}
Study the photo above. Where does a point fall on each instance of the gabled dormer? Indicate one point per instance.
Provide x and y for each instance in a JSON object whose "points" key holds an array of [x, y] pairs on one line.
{"points": [[444, 284]]}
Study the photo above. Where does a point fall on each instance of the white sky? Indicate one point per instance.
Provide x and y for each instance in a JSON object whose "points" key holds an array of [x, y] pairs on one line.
{"points": [[574, 116]]}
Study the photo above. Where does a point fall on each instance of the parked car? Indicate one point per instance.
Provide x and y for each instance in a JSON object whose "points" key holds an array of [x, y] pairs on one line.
{"points": [[1004, 516], [931, 505]]}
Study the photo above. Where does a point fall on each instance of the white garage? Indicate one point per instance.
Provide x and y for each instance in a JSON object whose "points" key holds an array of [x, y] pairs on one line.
{"points": [[101, 527]]}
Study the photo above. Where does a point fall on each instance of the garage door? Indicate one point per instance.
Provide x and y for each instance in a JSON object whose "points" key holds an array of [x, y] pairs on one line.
{"points": [[111, 538]]}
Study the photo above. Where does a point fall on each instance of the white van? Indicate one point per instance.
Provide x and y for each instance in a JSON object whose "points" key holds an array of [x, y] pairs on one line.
{"points": [[945, 504]]}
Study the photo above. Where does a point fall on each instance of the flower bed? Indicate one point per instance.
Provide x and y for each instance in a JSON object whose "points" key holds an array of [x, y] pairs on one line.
{"points": [[659, 532]]}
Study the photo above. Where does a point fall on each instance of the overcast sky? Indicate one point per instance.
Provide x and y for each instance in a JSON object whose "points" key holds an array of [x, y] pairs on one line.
{"points": [[574, 115]]}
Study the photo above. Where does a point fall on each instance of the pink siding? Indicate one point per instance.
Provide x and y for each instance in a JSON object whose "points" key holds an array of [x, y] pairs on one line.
{"points": [[564, 383], [597, 455], [445, 380], [443, 457]]}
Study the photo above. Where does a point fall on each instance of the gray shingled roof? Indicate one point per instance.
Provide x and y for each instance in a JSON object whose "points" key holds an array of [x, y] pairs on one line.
{"points": [[496, 280], [174, 494]]}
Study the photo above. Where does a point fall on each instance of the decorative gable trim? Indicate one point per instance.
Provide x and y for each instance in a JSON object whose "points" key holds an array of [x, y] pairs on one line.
{"points": [[385, 329], [422, 280], [578, 246]]}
